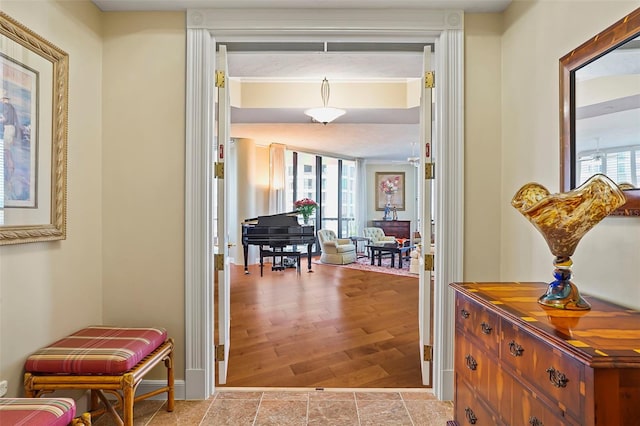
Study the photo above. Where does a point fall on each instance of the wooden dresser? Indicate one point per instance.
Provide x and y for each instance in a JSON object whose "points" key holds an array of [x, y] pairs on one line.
{"points": [[519, 363], [396, 228]]}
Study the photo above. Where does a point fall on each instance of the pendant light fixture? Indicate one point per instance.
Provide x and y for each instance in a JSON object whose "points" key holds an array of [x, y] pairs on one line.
{"points": [[325, 114]]}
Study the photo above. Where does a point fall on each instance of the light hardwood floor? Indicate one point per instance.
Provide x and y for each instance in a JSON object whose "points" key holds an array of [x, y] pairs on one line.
{"points": [[332, 328]]}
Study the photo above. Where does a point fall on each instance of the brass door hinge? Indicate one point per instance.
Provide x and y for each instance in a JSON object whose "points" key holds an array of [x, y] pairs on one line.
{"points": [[220, 79], [219, 170], [429, 79], [218, 262], [428, 353], [220, 353], [428, 262], [429, 171]]}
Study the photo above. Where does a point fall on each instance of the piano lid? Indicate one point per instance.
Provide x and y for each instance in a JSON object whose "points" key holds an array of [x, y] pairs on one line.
{"points": [[280, 219]]}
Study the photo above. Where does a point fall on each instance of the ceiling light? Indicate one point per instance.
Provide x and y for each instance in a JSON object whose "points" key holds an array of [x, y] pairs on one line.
{"points": [[325, 114]]}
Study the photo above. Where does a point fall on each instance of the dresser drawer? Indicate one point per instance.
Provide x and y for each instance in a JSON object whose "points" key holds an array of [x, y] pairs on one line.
{"points": [[468, 408], [478, 322], [529, 410], [473, 365], [482, 373], [553, 373]]}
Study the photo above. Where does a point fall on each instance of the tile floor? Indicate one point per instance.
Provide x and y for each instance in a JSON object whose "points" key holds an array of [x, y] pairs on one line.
{"points": [[299, 407]]}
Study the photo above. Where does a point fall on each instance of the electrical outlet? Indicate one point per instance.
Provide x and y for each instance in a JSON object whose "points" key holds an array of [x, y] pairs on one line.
{"points": [[3, 387]]}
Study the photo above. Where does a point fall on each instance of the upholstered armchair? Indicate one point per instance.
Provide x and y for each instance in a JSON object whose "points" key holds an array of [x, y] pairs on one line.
{"points": [[337, 251], [377, 237]]}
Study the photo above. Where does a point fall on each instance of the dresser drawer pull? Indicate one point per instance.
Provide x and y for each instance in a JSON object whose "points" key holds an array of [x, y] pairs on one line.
{"points": [[557, 378], [534, 421], [515, 349], [464, 313], [471, 363], [471, 418], [486, 328]]}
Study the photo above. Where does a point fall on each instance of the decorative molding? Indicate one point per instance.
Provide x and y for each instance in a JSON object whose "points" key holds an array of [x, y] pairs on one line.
{"points": [[288, 22], [443, 27], [449, 201], [198, 267], [454, 20]]}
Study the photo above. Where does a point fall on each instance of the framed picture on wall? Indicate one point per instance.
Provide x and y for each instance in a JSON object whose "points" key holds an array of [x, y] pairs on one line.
{"points": [[34, 80], [19, 131], [390, 190]]}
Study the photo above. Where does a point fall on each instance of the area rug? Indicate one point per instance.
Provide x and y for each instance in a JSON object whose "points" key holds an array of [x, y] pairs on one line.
{"points": [[364, 264]]}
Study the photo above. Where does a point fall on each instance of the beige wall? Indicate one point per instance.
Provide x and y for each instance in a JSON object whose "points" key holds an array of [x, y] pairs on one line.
{"points": [[48, 290], [143, 172], [536, 35], [482, 171]]}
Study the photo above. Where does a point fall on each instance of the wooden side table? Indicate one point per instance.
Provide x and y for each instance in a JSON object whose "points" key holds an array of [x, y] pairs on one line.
{"points": [[365, 251]]}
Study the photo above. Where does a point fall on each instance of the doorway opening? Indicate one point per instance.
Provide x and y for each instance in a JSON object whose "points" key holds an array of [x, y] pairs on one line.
{"points": [[408, 64], [204, 30]]}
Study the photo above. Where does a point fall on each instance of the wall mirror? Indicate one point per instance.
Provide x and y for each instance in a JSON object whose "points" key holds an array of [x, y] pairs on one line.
{"points": [[600, 111], [33, 136]]}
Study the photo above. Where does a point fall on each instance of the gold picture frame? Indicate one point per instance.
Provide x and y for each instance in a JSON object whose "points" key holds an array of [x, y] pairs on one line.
{"points": [[390, 189], [35, 73]]}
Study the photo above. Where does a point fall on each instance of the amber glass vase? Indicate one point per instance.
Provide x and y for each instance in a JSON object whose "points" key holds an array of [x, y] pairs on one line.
{"points": [[563, 219]]}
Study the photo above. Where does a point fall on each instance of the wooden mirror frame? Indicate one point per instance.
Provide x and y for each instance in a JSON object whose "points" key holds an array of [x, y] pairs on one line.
{"points": [[55, 227], [619, 33]]}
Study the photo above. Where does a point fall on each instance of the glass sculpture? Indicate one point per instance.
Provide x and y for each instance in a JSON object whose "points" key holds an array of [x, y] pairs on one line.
{"points": [[563, 219]]}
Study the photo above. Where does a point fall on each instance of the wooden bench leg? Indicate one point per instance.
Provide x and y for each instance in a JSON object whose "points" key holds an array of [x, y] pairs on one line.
{"points": [[83, 420], [28, 386], [170, 382], [129, 398], [95, 401]]}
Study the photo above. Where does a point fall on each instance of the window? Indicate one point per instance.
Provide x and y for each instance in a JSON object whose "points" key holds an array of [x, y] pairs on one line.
{"points": [[330, 182], [620, 164]]}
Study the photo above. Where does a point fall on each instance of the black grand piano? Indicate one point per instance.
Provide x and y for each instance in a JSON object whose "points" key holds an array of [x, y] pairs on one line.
{"points": [[277, 232]]}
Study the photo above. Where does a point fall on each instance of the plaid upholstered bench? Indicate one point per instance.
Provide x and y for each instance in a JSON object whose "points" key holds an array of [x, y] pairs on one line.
{"points": [[40, 412], [103, 359]]}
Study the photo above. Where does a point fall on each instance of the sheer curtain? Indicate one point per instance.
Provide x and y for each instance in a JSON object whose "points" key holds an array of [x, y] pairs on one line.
{"points": [[277, 178], [361, 196]]}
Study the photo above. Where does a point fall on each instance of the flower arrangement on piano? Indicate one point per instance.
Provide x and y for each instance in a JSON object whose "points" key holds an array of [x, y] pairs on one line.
{"points": [[390, 186], [305, 207]]}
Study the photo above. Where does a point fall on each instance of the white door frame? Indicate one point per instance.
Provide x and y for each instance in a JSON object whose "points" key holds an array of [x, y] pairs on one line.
{"points": [[204, 28]]}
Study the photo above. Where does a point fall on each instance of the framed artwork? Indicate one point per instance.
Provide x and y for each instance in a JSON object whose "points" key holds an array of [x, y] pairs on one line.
{"points": [[390, 189], [34, 78], [19, 132]]}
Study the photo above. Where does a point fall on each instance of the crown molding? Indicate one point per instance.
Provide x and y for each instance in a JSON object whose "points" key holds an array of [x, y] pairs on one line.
{"points": [[373, 22]]}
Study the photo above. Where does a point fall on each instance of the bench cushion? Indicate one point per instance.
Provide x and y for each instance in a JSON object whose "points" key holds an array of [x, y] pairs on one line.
{"points": [[97, 350], [37, 411]]}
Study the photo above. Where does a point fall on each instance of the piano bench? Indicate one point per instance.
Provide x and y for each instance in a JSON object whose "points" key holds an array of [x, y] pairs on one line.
{"points": [[279, 254]]}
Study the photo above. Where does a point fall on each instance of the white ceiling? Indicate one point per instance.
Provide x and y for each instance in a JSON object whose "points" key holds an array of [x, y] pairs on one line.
{"points": [[375, 134], [388, 134]]}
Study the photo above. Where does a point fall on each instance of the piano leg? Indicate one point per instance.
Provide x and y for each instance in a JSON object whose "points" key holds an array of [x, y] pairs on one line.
{"points": [[245, 249], [309, 257]]}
